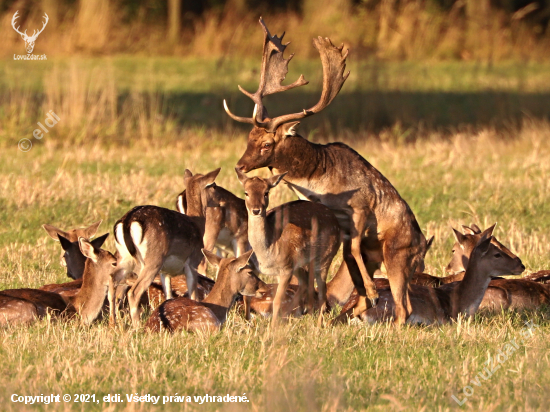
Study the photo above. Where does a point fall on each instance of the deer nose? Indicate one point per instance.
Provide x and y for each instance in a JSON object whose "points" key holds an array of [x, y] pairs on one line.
{"points": [[256, 212]]}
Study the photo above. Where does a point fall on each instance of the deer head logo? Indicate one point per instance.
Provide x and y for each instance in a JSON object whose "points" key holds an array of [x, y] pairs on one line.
{"points": [[29, 40]]}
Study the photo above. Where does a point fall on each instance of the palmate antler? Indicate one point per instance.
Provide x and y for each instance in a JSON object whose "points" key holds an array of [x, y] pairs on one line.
{"points": [[274, 70]]}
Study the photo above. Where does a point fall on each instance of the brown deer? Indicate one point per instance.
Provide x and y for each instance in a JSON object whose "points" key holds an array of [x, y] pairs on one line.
{"points": [[234, 277], [24, 306], [369, 209], [97, 283], [507, 294], [290, 238], [71, 257], [156, 240], [441, 305]]}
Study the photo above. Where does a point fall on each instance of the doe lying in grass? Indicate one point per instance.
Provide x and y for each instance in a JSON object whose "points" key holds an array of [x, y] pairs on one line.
{"points": [[234, 277]]}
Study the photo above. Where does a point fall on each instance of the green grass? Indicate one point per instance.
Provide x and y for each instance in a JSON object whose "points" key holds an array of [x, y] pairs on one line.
{"points": [[479, 177]]}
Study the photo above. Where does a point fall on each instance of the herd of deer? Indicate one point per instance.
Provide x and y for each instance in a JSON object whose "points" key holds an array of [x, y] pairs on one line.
{"points": [[345, 202]]}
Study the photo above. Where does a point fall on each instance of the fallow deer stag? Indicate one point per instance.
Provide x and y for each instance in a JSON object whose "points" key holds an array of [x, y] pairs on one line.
{"points": [[234, 277], [368, 207], [290, 238], [156, 240], [440, 305]]}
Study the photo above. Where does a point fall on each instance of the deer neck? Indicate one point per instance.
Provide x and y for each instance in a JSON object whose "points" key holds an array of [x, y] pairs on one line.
{"points": [[90, 298], [259, 237], [299, 157], [219, 302], [468, 294]]}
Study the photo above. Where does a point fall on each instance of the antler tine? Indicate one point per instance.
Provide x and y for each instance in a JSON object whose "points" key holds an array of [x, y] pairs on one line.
{"points": [[14, 18], [273, 71], [249, 120], [334, 63]]}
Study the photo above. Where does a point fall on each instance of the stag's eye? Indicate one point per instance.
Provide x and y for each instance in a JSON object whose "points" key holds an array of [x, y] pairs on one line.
{"points": [[266, 145], [497, 255]]}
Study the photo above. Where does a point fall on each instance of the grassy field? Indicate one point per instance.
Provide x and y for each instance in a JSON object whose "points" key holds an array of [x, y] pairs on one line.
{"points": [[124, 140]]}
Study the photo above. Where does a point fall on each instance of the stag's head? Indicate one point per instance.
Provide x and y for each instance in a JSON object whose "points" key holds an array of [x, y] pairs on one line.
{"points": [[268, 134], [29, 40]]}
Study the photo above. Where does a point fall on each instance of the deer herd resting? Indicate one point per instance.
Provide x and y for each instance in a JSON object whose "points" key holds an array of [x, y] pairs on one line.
{"points": [[344, 201]]}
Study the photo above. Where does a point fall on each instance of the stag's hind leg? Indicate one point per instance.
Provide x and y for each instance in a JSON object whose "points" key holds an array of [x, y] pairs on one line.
{"points": [[400, 267]]}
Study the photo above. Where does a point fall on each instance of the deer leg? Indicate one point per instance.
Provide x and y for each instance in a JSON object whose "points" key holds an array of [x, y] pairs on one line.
{"points": [[359, 225], [166, 282], [112, 303], [144, 280], [321, 276], [399, 268], [246, 302], [191, 273], [284, 280]]}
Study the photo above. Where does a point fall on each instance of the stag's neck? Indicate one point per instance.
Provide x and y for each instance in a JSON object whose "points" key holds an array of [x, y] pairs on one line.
{"points": [[218, 302], [299, 158], [468, 294]]}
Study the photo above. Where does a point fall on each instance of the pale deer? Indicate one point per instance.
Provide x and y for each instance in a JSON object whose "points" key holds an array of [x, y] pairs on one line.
{"points": [[156, 240], [29, 40], [441, 305], [234, 277], [71, 257], [368, 207], [24, 306], [290, 238]]}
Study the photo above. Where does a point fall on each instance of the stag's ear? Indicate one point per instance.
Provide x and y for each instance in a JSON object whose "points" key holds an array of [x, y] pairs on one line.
{"points": [[65, 243], [275, 180], [242, 177], [91, 230], [87, 249], [242, 260], [460, 238], [97, 243], [290, 129], [209, 178], [186, 176], [489, 231], [53, 232], [212, 258]]}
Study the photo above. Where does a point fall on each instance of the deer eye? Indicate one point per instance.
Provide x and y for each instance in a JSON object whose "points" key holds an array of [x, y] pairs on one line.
{"points": [[246, 194], [497, 255], [113, 264], [266, 145], [266, 194]]}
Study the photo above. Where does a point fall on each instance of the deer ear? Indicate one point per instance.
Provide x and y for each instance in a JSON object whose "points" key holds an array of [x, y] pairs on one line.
{"points": [[53, 232], [97, 243], [242, 260], [460, 238], [91, 230], [489, 231], [212, 258], [186, 176], [242, 177], [475, 228], [209, 178], [87, 249], [275, 180], [290, 129], [429, 243], [181, 203], [468, 230], [483, 245], [65, 243]]}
